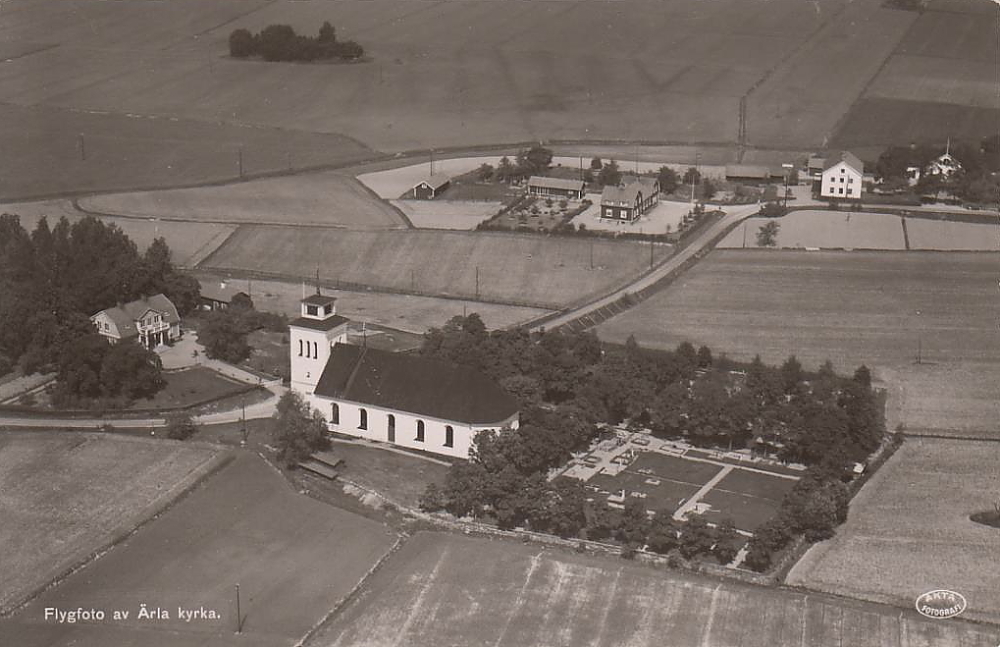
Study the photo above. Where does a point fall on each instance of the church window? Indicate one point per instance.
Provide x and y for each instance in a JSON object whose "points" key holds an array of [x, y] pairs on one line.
{"points": [[420, 431], [300, 348], [449, 436], [363, 422], [315, 350], [335, 413]]}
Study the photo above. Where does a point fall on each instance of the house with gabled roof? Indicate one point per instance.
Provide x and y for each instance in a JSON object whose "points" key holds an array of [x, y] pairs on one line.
{"points": [[431, 187], [842, 177], [631, 199], [150, 321]]}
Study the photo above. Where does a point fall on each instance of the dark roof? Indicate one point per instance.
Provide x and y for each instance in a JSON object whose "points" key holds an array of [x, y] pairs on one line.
{"points": [[435, 181], [318, 299], [124, 316], [555, 183], [220, 292], [414, 384], [849, 158], [318, 324], [748, 171], [628, 193]]}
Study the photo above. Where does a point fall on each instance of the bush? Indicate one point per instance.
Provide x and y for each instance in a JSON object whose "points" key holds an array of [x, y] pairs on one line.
{"points": [[180, 426]]}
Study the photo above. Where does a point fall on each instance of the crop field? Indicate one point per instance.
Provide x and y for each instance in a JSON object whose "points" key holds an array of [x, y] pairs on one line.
{"points": [[528, 270], [328, 199], [945, 398], [451, 590], [825, 230], [235, 528], [939, 82], [876, 308], [957, 236], [411, 313], [908, 530], [66, 495], [447, 214], [189, 242]]}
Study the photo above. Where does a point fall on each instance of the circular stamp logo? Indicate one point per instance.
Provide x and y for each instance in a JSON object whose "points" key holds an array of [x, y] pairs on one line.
{"points": [[941, 604]]}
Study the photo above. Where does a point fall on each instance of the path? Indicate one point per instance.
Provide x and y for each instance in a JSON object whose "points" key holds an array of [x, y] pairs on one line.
{"points": [[690, 503]]}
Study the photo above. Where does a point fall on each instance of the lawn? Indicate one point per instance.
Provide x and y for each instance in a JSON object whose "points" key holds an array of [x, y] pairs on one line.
{"points": [[270, 352], [447, 214], [673, 468], [755, 484], [66, 495], [666, 496], [293, 557], [189, 386], [394, 183], [453, 590], [400, 477], [825, 230], [908, 530], [958, 236], [328, 199], [746, 512], [523, 269]]}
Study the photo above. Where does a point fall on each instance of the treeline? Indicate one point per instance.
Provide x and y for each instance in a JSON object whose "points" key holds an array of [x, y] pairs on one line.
{"points": [[569, 384], [978, 181], [281, 43], [53, 279]]}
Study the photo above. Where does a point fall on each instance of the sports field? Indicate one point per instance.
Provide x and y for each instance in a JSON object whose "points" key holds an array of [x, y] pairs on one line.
{"points": [[877, 308], [66, 495], [825, 230], [908, 530], [293, 557], [328, 199], [452, 590], [530, 270]]}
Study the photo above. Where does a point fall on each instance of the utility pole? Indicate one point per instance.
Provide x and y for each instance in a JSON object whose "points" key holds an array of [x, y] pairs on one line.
{"points": [[239, 615]]}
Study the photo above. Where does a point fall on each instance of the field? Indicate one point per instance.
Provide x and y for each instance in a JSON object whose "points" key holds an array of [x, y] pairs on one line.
{"points": [[529, 270], [447, 214], [958, 236], [824, 229], [63, 496], [233, 529], [393, 183], [450, 590], [187, 386], [189, 242], [909, 531], [939, 82], [327, 199], [947, 398], [401, 478]]}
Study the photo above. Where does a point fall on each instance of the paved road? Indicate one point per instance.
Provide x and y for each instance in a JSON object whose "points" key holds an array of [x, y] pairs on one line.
{"points": [[733, 216]]}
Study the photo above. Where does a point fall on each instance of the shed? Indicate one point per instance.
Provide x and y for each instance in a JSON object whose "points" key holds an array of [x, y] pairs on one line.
{"points": [[431, 187]]}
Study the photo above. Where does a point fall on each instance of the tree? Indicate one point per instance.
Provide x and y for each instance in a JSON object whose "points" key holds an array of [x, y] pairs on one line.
{"points": [[534, 161], [704, 357], [298, 431], [697, 537], [242, 44], [663, 533], [180, 425], [485, 172], [132, 371], [224, 336], [692, 175], [767, 235], [505, 170], [634, 526], [327, 34], [668, 179], [596, 164], [432, 500], [707, 189], [726, 541], [609, 175]]}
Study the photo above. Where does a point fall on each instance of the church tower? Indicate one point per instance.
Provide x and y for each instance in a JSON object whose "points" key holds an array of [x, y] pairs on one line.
{"points": [[311, 336]]}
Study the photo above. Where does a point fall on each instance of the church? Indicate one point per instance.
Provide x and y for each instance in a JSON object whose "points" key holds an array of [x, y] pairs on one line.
{"points": [[396, 398]]}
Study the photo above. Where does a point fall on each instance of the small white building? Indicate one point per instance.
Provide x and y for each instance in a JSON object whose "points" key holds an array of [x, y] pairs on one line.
{"points": [[405, 400], [842, 177], [149, 321]]}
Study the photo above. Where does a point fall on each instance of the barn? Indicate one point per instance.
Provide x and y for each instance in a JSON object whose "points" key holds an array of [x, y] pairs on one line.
{"points": [[431, 187]]}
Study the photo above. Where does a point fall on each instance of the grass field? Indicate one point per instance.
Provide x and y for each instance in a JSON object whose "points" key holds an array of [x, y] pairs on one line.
{"points": [[188, 386], [530, 270], [393, 183], [189, 242], [447, 214], [401, 478], [65, 495], [958, 236], [909, 531], [824, 229], [293, 557], [450, 590], [946, 398], [853, 308], [328, 199], [413, 314]]}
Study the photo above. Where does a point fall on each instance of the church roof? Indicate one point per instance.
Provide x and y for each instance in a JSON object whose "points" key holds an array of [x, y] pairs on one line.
{"points": [[319, 299], [414, 384], [319, 324]]}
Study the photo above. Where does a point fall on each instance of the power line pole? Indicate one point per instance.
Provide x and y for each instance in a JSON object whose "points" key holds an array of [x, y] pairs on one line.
{"points": [[239, 615]]}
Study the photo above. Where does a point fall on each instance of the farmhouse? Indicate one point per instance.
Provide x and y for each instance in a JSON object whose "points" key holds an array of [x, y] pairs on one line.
{"points": [[630, 201], [553, 186], [842, 176], [219, 296], [404, 400], [150, 321], [430, 188]]}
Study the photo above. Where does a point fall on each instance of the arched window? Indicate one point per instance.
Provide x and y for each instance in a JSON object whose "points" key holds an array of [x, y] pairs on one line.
{"points": [[315, 350], [420, 431], [363, 422], [300, 348], [449, 436], [335, 413], [307, 349], [391, 428]]}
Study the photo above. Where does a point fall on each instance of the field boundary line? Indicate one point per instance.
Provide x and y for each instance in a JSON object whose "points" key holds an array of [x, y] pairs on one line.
{"points": [[130, 526], [929, 433]]}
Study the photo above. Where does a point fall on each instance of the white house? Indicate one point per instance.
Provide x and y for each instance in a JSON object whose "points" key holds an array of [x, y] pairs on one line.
{"points": [[405, 400], [842, 177], [150, 321]]}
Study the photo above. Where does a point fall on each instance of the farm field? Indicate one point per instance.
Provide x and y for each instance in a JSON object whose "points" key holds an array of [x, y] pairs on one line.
{"points": [[411, 313], [825, 230], [233, 529], [329, 199], [189, 242], [957, 236], [393, 183], [946, 398], [449, 590], [849, 307], [447, 214], [529, 270], [908, 530], [67, 495]]}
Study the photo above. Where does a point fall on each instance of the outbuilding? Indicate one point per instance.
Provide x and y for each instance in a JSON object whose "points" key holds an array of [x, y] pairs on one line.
{"points": [[431, 187], [554, 186]]}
